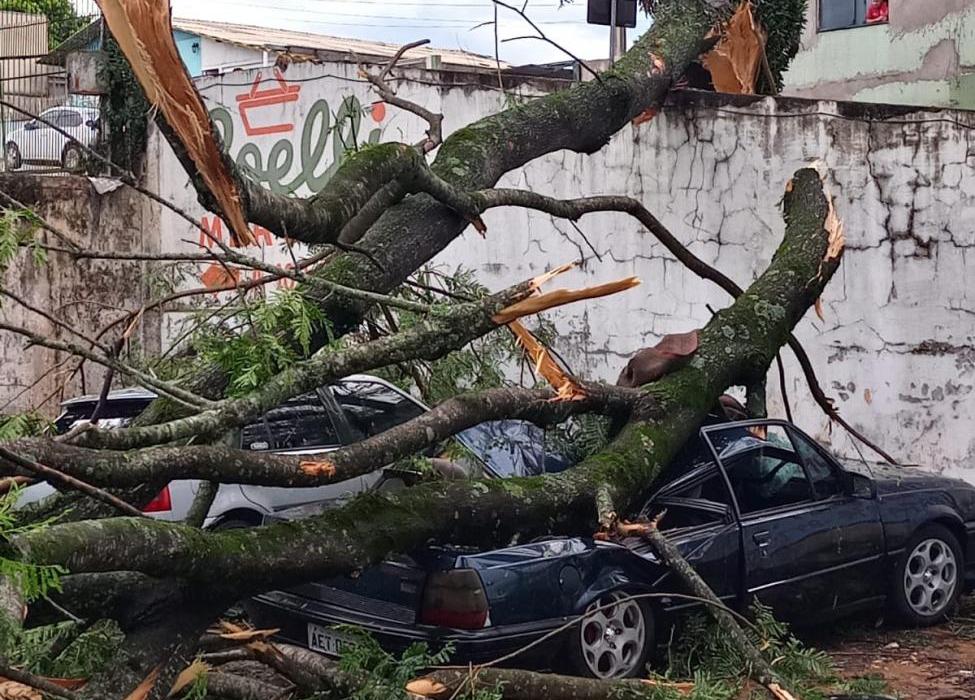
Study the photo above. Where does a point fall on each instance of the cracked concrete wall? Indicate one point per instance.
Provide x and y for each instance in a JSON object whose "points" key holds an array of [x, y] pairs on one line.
{"points": [[86, 294], [896, 346], [924, 56]]}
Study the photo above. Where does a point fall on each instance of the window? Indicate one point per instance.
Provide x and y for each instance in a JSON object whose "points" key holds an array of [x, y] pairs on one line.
{"points": [[700, 499], [67, 120], [373, 408], [300, 423], [841, 14], [764, 469], [822, 473], [509, 447]]}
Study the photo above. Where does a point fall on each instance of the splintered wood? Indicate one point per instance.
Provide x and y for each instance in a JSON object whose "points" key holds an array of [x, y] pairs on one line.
{"points": [[143, 30], [734, 62], [567, 389], [320, 468]]}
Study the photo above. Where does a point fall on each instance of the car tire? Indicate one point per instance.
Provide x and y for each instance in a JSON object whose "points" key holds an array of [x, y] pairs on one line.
{"points": [[232, 524], [72, 158], [928, 578], [11, 156], [614, 639]]}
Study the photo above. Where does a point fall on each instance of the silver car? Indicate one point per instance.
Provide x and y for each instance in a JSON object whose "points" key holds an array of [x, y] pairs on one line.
{"points": [[348, 411], [37, 143]]}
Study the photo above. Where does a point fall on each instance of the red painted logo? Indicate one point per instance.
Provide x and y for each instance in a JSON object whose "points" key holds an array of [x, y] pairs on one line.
{"points": [[256, 98]]}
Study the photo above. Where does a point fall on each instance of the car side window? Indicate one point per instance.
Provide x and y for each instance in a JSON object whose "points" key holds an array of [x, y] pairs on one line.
{"points": [[764, 470], [301, 423], [50, 118], [825, 479], [698, 502], [69, 119], [372, 408]]}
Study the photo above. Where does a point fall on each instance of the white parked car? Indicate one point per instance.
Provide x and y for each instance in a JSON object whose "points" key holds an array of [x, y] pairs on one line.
{"points": [[37, 143], [348, 411]]}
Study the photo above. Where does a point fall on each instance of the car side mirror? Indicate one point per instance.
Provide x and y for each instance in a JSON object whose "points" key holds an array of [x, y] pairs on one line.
{"points": [[858, 486]]}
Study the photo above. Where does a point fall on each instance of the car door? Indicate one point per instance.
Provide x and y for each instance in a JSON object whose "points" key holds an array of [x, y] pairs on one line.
{"points": [[72, 123], [798, 549], [698, 518], [46, 142], [851, 573], [301, 425]]}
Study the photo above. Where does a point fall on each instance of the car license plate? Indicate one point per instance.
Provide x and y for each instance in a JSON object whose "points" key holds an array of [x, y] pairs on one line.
{"points": [[324, 640]]}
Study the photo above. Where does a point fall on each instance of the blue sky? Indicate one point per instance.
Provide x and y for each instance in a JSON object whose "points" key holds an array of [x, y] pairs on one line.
{"points": [[447, 23]]}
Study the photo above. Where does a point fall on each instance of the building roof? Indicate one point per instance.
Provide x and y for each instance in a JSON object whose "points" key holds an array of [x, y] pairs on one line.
{"points": [[329, 47]]}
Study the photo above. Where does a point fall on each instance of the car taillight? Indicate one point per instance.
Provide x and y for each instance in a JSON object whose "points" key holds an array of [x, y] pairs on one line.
{"points": [[454, 599], [161, 503]]}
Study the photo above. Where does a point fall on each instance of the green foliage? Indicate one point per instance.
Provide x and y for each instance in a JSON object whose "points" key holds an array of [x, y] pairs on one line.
{"points": [[197, 689], [32, 580], [18, 229], [387, 675], [63, 20], [125, 110], [579, 438], [21, 425], [273, 334], [64, 650], [703, 649], [784, 20]]}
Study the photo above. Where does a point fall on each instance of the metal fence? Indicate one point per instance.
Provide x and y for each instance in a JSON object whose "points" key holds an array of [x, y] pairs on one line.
{"points": [[36, 91]]}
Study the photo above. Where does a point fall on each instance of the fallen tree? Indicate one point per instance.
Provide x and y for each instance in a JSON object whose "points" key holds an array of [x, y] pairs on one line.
{"points": [[386, 212]]}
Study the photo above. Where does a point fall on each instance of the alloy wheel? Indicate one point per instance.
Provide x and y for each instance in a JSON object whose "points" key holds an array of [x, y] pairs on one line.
{"points": [[930, 577], [613, 635]]}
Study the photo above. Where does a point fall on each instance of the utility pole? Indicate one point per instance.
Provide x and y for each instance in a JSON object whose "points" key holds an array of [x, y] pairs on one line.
{"points": [[617, 34]]}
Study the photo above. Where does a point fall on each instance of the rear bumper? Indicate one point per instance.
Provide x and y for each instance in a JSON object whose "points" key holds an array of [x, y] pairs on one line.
{"points": [[291, 614]]}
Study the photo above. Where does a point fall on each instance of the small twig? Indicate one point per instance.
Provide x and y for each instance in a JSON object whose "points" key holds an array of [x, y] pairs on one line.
{"points": [[434, 120], [36, 682], [541, 36], [60, 478], [782, 387]]}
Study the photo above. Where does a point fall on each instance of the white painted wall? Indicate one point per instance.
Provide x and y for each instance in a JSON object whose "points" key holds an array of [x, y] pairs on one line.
{"points": [[896, 346]]}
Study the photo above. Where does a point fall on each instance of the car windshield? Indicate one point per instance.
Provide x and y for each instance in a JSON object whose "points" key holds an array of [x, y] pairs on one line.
{"points": [[512, 448]]}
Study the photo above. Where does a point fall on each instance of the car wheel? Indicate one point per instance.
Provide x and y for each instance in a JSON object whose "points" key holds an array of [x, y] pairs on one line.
{"points": [[927, 581], [72, 158], [614, 638], [11, 156], [232, 524]]}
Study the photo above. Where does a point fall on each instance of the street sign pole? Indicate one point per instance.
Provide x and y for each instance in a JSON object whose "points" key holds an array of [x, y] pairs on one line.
{"points": [[617, 34], [612, 31]]}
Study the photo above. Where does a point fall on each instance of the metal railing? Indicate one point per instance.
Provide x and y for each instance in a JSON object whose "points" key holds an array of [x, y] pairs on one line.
{"points": [[35, 81]]}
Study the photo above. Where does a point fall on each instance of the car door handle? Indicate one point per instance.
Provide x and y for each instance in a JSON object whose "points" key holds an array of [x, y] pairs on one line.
{"points": [[762, 539]]}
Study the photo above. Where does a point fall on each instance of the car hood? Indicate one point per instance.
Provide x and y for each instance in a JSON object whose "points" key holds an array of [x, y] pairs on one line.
{"points": [[897, 479]]}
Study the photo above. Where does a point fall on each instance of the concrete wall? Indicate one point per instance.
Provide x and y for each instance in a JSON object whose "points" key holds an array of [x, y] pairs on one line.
{"points": [[924, 56], [87, 294], [896, 344]]}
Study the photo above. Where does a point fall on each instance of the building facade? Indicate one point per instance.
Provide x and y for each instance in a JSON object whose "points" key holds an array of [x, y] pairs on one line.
{"points": [[891, 51]]}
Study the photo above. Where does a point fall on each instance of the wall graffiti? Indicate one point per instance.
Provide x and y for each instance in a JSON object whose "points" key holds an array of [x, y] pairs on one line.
{"points": [[287, 149]]}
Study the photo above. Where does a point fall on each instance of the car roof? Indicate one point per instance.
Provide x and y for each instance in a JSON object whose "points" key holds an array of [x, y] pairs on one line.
{"points": [[137, 393]]}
